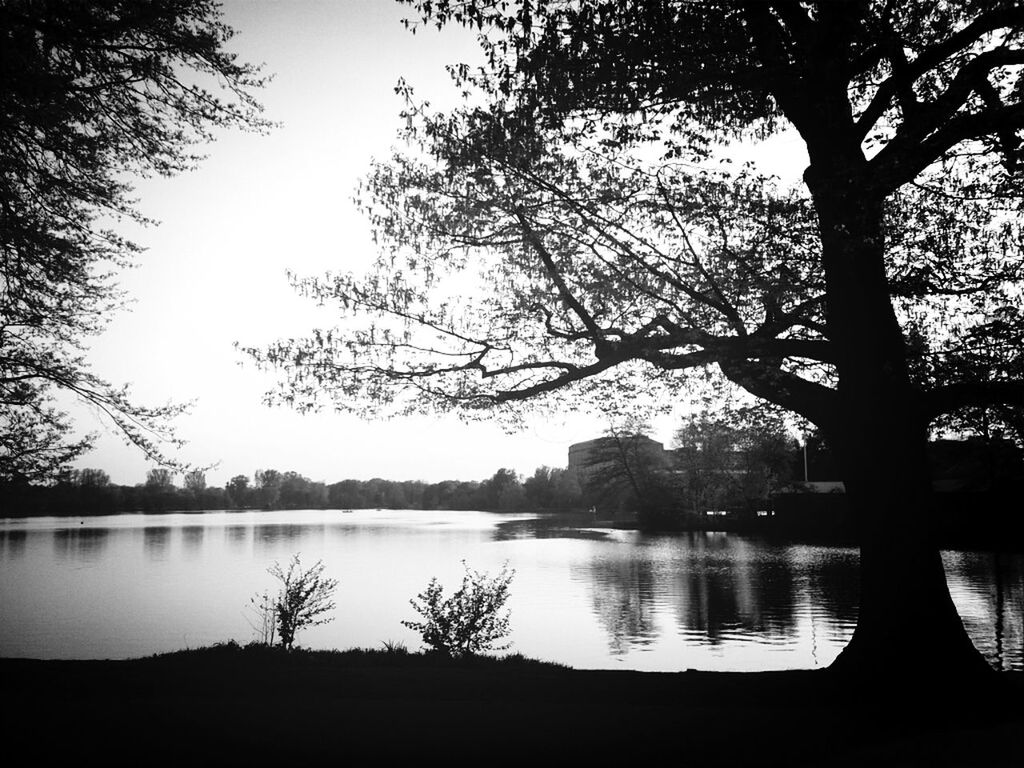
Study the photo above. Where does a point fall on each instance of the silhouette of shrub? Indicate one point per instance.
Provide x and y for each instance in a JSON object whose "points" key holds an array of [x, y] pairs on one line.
{"points": [[304, 598], [469, 621]]}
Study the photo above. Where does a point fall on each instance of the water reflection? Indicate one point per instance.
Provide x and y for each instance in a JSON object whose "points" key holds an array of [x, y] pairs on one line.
{"points": [[192, 539], [155, 541], [270, 536], [12, 543], [559, 526], [237, 536], [80, 544], [617, 598], [623, 597], [988, 589]]}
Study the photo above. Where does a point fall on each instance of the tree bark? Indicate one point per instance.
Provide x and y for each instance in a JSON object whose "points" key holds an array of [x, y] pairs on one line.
{"points": [[907, 623]]}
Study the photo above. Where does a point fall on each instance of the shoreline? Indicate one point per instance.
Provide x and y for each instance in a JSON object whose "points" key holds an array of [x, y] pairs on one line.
{"points": [[967, 540], [229, 704]]}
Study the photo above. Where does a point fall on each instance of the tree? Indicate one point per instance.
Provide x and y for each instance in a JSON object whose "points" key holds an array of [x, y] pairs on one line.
{"points": [[237, 490], [576, 188], [304, 598], [503, 491], [732, 459], [625, 468], [268, 487], [468, 622], [92, 94], [552, 488], [195, 481], [159, 479]]}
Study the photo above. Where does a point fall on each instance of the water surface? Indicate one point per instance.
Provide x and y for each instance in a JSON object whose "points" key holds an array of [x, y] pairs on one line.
{"points": [[132, 585]]}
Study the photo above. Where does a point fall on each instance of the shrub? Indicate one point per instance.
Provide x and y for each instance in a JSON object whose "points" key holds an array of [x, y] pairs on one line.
{"points": [[265, 622], [304, 598], [468, 622]]}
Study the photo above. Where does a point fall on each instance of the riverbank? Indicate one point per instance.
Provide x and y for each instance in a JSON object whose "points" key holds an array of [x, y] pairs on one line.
{"points": [[229, 705]]}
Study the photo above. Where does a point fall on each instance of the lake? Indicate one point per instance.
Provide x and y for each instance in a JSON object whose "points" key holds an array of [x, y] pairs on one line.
{"points": [[133, 585]]}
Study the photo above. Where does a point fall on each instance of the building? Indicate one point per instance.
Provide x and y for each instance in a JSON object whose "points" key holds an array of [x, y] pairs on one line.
{"points": [[606, 457]]}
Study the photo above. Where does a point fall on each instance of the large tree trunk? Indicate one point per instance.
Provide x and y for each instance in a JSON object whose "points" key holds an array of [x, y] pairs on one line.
{"points": [[907, 621]]}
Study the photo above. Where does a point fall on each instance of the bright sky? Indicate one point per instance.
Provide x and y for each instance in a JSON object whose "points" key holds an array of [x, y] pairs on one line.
{"points": [[214, 271]]}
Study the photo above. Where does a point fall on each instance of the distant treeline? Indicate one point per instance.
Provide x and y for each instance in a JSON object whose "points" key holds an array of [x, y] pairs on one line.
{"points": [[90, 492]]}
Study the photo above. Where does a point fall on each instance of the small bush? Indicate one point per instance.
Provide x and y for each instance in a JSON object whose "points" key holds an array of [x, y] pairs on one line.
{"points": [[265, 622], [304, 598], [468, 622]]}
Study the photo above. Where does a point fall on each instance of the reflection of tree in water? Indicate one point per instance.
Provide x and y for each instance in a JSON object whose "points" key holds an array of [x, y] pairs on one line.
{"points": [[236, 535], [623, 596], [557, 526], [727, 586], [192, 538], [12, 543], [832, 579], [80, 543], [288, 533], [990, 587], [155, 540]]}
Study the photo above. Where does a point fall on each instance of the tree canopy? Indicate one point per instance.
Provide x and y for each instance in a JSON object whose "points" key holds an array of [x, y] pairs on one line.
{"points": [[93, 94], [576, 189], [572, 229]]}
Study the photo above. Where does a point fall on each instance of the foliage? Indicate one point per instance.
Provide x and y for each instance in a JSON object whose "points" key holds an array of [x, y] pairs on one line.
{"points": [[625, 469], [564, 230], [569, 233], [304, 598], [92, 95], [552, 488], [77, 493], [732, 460], [264, 621], [468, 622]]}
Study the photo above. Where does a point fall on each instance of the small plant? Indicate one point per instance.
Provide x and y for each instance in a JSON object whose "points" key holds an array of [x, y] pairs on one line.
{"points": [[395, 647], [265, 622], [468, 622], [304, 598]]}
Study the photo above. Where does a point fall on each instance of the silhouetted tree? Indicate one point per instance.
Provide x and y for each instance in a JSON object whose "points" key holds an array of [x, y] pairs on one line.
{"points": [[575, 183], [503, 491], [552, 488], [732, 460], [159, 491], [625, 469], [304, 599], [92, 94], [195, 481], [268, 487], [237, 490]]}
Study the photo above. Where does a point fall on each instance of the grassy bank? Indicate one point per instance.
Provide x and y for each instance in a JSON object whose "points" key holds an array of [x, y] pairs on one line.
{"points": [[257, 706]]}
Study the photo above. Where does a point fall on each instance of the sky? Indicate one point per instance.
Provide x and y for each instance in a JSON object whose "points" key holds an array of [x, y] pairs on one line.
{"points": [[214, 269]]}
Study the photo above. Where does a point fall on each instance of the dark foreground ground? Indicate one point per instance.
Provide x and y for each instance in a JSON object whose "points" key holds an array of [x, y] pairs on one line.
{"points": [[232, 706]]}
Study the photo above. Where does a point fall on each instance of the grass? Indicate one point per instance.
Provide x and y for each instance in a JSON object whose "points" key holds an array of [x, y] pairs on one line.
{"points": [[253, 705]]}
